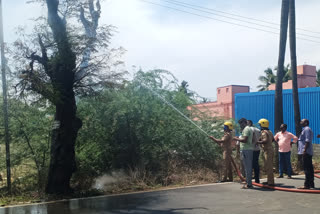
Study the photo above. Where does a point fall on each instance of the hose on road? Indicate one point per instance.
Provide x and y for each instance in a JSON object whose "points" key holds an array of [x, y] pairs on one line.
{"points": [[275, 187]]}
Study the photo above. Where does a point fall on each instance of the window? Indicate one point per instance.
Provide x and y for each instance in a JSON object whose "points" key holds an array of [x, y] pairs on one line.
{"points": [[227, 90], [218, 91]]}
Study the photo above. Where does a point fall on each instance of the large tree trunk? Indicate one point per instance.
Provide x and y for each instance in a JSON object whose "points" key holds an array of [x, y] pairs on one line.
{"points": [[64, 134], [278, 108], [295, 94], [67, 125]]}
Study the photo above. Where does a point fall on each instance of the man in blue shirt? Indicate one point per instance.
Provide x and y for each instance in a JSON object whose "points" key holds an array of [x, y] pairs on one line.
{"points": [[305, 148]]}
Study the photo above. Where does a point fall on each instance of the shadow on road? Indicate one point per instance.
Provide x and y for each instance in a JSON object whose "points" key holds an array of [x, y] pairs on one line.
{"points": [[284, 186], [135, 203], [164, 211], [297, 178]]}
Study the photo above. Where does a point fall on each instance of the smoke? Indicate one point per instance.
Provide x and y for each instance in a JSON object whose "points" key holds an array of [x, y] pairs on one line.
{"points": [[106, 181]]}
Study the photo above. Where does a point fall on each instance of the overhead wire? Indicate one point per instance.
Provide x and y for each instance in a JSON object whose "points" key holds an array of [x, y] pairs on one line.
{"points": [[228, 17], [220, 20], [240, 16]]}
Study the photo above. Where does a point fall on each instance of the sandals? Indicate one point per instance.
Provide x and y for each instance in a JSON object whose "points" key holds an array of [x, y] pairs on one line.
{"points": [[246, 187]]}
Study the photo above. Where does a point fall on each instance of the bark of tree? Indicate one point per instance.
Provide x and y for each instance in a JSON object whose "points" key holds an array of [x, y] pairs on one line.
{"points": [[278, 109], [67, 125], [295, 94], [90, 27]]}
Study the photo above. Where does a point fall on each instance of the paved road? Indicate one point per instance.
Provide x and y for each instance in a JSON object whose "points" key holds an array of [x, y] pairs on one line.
{"points": [[218, 198]]}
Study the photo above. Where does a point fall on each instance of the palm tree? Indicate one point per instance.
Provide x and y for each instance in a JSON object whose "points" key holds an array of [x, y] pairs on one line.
{"points": [[270, 78], [278, 107], [184, 89], [204, 100], [287, 73]]}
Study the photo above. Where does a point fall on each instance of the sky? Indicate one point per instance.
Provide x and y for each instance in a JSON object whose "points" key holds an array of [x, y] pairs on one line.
{"points": [[204, 52]]}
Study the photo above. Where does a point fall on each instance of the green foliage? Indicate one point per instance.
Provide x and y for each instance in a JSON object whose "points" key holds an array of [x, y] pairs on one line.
{"points": [[271, 78], [30, 126], [184, 89], [133, 127], [128, 129]]}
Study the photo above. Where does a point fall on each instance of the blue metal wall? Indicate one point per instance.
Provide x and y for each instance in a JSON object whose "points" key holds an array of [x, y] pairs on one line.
{"points": [[257, 105]]}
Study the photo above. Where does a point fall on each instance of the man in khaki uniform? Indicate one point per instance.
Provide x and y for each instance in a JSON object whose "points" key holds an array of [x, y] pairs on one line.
{"points": [[266, 140], [225, 143]]}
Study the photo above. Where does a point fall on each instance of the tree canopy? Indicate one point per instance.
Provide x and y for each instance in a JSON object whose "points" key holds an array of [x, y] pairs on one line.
{"points": [[270, 77]]}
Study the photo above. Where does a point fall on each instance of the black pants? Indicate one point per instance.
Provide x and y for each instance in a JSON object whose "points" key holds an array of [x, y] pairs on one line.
{"points": [[255, 165], [308, 170]]}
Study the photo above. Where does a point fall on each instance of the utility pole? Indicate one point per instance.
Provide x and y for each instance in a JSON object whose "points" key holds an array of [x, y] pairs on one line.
{"points": [[5, 102], [295, 94]]}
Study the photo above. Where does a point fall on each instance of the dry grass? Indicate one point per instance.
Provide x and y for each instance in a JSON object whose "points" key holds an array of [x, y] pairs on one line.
{"points": [[140, 180]]}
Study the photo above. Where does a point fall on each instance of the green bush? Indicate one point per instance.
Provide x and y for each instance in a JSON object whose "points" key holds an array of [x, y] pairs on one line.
{"points": [[133, 128]]}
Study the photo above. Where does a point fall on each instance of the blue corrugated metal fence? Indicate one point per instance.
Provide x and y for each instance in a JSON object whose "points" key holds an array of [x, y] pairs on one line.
{"points": [[257, 105]]}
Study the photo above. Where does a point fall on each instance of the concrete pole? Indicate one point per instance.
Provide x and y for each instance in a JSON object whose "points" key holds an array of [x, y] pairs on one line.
{"points": [[5, 102]]}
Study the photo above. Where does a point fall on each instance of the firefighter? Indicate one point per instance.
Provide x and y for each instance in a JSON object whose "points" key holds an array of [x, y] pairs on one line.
{"points": [[225, 144], [266, 140]]}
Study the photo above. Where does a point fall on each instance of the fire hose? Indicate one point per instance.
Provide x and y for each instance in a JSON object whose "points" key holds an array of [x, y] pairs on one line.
{"points": [[233, 163], [275, 187]]}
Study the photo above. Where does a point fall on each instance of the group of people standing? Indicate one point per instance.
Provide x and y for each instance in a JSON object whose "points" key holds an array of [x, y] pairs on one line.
{"points": [[253, 139]]}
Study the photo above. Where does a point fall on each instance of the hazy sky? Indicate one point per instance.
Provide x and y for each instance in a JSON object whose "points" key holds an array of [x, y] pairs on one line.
{"points": [[206, 53]]}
